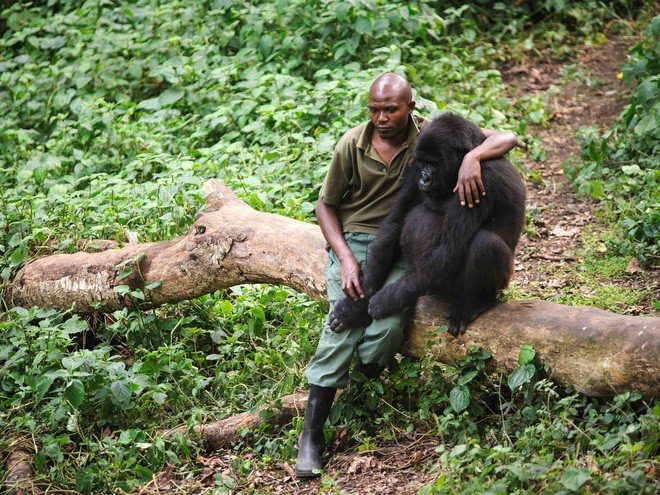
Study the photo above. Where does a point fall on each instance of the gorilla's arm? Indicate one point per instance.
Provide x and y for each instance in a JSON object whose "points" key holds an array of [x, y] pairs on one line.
{"points": [[440, 249], [386, 248], [383, 253], [470, 186]]}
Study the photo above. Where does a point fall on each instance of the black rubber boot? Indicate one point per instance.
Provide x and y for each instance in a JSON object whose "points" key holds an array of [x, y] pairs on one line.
{"points": [[312, 440]]}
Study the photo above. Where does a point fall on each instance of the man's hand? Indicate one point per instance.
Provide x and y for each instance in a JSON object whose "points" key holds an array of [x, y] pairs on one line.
{"points": [[469, 184], [350, 279]]}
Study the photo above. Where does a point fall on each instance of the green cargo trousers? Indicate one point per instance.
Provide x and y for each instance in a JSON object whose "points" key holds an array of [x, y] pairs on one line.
{"points": [[374, 344]]}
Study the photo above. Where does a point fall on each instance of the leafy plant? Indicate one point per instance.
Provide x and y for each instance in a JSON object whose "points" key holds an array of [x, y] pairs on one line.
{"points": [[116, 113], [620, 167]]}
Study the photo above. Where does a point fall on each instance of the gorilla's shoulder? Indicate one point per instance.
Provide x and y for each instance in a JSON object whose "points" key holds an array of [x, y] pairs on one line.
{"points": [[451, 130]]}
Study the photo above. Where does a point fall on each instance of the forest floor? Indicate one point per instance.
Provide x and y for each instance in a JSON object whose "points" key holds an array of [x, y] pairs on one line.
{"points": [[591, 95]]}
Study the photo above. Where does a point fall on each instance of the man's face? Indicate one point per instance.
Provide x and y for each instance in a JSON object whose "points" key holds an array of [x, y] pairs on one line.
{"points": [[389, 111]]}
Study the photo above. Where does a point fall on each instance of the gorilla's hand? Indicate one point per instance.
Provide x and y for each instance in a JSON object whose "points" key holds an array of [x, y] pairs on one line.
{"points": [[349, 313]]}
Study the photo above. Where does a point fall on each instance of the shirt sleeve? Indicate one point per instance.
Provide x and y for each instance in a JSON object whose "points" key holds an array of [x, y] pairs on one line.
{"points": [[339, 178]]}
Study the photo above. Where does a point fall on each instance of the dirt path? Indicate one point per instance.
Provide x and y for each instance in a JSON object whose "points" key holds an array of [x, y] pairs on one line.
{"points": [[591, 96]]}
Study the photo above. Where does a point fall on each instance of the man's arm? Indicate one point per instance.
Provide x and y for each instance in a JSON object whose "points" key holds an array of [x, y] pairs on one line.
{"points": [[328, 220], [469, 185]]}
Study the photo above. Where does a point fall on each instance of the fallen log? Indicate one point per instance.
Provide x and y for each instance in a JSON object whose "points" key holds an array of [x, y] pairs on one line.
{"points": [[596, 352], [20, 473], [228, 432]]}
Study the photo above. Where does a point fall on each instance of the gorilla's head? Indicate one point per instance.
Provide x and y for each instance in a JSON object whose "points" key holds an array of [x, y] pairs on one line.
{"points": [[439, 152]]}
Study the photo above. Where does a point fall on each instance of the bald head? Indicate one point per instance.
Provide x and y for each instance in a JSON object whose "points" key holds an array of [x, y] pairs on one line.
{"points": [[394, 85], [390, 107]]}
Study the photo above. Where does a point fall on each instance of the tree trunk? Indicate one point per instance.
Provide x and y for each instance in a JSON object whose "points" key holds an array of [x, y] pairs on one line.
{"points": [[597, 352]]}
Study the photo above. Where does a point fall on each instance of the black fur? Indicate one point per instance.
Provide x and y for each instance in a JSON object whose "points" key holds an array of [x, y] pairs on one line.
{"points": [[459, 253]]}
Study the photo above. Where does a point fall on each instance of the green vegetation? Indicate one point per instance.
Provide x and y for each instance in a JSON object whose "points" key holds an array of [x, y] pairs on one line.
{"points": [[620, 167], [114, 115]]}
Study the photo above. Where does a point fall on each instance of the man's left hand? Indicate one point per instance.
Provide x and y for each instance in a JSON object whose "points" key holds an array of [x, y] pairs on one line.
{"points": [[469, 184]]}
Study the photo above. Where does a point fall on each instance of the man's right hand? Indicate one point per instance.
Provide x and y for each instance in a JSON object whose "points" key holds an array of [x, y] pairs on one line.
{"points": [[350, 278], [350, 272]]}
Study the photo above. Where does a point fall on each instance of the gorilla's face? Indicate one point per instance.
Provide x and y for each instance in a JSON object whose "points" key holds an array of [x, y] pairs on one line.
{"points": [[426, 179], [432, 181]]}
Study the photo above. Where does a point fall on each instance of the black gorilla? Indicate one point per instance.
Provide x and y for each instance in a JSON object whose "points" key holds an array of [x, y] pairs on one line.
{"points": [[459, 253]]}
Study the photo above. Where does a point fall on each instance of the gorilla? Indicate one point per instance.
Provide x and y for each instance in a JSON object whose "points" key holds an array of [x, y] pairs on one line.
{"points": [[461, 254]]}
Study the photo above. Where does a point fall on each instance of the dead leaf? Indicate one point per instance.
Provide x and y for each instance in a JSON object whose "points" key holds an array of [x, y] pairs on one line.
{"points": [[564, 232], [362, 464], [633, 266]]}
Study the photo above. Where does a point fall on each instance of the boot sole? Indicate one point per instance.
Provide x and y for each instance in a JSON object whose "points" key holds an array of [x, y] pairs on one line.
{"points": [[307, 474]]}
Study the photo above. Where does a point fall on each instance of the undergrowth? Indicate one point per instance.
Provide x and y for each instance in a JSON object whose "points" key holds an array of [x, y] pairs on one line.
{"points": [[116, 113]]}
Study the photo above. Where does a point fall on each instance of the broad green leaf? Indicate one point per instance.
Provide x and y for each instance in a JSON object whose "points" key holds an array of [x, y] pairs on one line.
{"points": [[44, 383], [75, 393], [72, 363], [150, 104], [573, 478], [364, 26], [137, 294], [121, 391], [521, 375], [226, 307], [526, 355], [459, 398], [467, 377], [597, 190], [631, 169], [170, 95], [19, 255], [121, 289], [40, 174], [266, 45], [646, 125]]}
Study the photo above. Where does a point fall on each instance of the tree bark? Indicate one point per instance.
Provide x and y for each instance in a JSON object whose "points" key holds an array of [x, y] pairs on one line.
{"points": [[228, 432], [18, 480], [597, 352]]}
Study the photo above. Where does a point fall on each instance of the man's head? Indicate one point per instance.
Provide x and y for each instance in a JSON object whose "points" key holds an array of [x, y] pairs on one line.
{"points": [[390, 106]]}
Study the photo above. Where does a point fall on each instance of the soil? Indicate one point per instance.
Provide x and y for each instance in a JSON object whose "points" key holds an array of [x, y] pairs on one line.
{"points": [[596, 99]]}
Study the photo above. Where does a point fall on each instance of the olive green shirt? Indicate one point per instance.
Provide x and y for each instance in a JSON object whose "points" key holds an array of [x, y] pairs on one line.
{"points": [[359, 184]]}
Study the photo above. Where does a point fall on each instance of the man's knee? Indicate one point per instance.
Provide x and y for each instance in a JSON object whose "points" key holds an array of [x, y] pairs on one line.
{"points": [[381, 342]]}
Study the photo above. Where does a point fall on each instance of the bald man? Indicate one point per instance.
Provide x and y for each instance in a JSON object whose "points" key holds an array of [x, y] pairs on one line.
{"points": [[364, 176]]}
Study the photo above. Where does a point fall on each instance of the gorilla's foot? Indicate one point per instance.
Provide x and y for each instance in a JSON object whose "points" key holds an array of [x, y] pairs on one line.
{"points": [[388, 301], [349, 313], [463, 312]]}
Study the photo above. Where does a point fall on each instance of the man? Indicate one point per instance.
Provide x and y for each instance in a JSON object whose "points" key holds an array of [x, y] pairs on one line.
{"points": [[365, 173]]}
